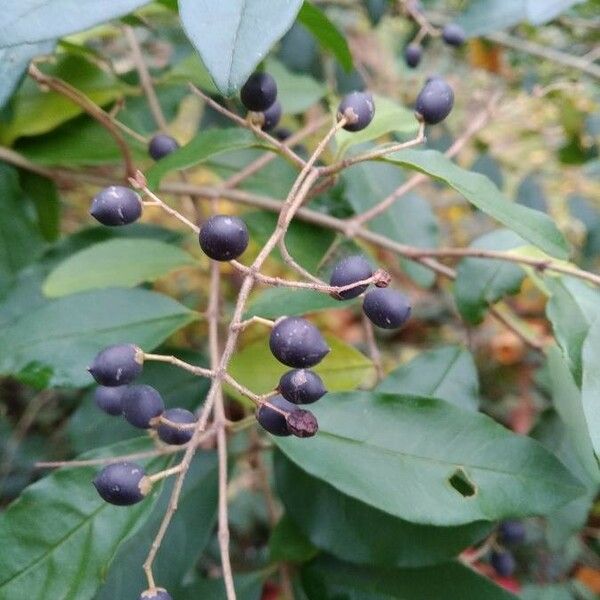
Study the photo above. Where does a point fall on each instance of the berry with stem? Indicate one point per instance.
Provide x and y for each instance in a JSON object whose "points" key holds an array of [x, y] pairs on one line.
{"points": [[435, 101], [173, 435], [453, 35], [386, 308], [297, 343], [117, 365], [155, 594], [224, 237], [141, 404], [116, 205], [503, 563], [301, 386], [350, 270], [273, 421], [271, 116], [110, 399], [358, 108], [412, 55], [121, 484], [162, 145], [259, 92]]}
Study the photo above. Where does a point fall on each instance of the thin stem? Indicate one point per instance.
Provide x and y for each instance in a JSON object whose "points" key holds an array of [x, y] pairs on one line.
{"points": [[255, 319], [156, 201], [374, 351], [164, 474], [200, 371]]}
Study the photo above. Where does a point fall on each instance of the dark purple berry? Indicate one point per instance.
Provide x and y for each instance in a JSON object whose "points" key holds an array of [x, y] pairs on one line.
{"points": [[301, 386], [350, 270], [302, 423], [412, 55], [161, 145], [435, 101], [121, 483], [155, 594], [358, 108], [271, 116], [224, 237], [282, 133], [273, 421], [141, 404], [117, 365], [454, 35], [110, 399], [386, 308], [503, 562], [259, 92], [171, 435], [511, 532], [297, 343], [116, 205]]}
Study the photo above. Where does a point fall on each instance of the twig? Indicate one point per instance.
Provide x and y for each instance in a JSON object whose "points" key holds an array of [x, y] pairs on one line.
{"points": [[156, 201], [200, 371], [374, 352]]}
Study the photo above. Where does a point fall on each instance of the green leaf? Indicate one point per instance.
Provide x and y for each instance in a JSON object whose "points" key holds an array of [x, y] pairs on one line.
{"points": [[30, 21], [481, 283], [247, 587], [408, 221], [542, 11], [233, 37], [426, 461], [274, 302], [288, 544], [66, 334], [45, 198], [327, 34], [115, 263], [533, 226], [63, 536], [330, 579], [196, 512], [485, 16], [344, 368], [446, 373], [353, 531], [205, 145], [390, 117], [557, 591], [590, 386]]}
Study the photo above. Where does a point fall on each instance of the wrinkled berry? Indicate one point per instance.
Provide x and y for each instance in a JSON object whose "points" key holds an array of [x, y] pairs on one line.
{"points": [[297, 343], [116, 205], [350, 270], [301, 386], [272, 421], [386, 308], [110, 399], [454, 35], [302, 423], [155, 594], [117, 365], [435, 101], [359, 108], [161, 145], [511, 532], [412, 55], [504, 563], [271, 116], [171, 435], [259, 92], [141, 404], [120, 483], [224, 237]]}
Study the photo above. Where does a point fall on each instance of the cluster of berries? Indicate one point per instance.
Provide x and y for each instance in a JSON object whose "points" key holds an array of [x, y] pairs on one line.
{"points": [[453, 34], [259, 95], [510, 534]]}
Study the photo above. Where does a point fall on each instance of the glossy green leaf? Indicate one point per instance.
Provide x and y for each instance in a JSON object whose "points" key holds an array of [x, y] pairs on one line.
{"points": [[533, 226], [330, 579], [344, 368], [272, 303], [202, 147], [447, 373], [46, 201], [358, 533], [63, 536], [408, 456], [328, 35], [30, 21], [287, 542], [233, 37], [481, 283], [66, 334], [115, 263]]}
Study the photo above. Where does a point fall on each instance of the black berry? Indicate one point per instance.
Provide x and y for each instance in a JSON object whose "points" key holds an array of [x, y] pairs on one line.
{"points": [[171, 435], [302, 423], [110, 399], [412, 55], [386, 308], [435, 101], [161, 145], [121, 483], [259, 92], [224, 237], [141, 404], [297, 343], [454, 35], [117, 365], [350, 270], [273, 421], [116, 205], [301, 386], [282, 133], [271, 116], [503, 562], [358, 108], [511, 532], [156, 594]]}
